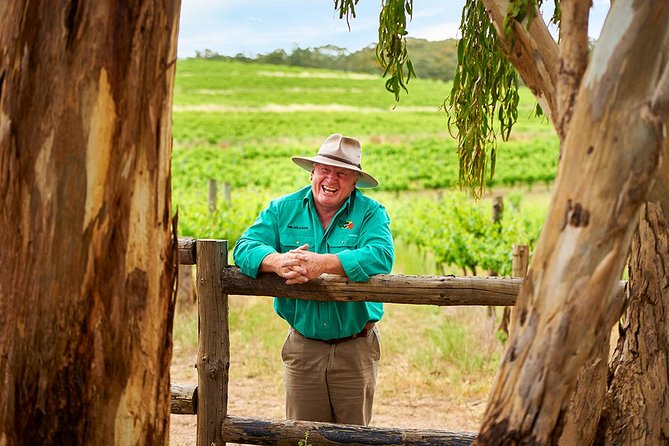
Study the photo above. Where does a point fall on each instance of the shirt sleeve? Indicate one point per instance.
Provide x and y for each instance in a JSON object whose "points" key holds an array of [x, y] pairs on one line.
{"points": [[375, 253], [258, 241]]}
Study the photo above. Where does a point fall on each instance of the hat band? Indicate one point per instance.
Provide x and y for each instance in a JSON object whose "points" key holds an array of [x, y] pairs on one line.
{"points": [[336, 158]]}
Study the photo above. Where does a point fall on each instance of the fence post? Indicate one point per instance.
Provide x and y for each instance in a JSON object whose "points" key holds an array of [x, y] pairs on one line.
{"points": [[213, 360], [211, 195], [226, 193], [520, 262], [497, 208]]}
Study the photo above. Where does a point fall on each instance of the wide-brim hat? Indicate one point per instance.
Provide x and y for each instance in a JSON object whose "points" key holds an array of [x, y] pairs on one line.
{"points": [[339, 151]]}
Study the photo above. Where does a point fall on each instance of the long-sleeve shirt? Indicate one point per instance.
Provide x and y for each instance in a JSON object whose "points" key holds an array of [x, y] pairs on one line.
{"points": [[359, 234]]}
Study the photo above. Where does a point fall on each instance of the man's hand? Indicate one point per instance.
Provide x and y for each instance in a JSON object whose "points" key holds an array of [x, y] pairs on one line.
{"points": [[286, 265], [299, 265], [315, 265]]}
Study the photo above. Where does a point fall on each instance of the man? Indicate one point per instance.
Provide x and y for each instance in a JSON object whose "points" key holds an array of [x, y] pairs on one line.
{"points": [[332, 350]]}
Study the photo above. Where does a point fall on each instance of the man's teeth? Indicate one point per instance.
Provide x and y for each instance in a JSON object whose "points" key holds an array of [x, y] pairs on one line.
{"points": [[329, 189]]}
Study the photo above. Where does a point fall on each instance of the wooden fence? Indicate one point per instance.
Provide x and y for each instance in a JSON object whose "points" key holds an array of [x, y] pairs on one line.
{"points": [[216, 280]]}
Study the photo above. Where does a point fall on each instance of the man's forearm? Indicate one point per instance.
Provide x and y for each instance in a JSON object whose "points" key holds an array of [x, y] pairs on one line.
{"points": [[330, 264], [270, 264]]}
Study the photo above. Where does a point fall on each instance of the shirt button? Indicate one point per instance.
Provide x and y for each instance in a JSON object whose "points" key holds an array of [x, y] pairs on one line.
{"points": [[342, 242], [325, 324]]}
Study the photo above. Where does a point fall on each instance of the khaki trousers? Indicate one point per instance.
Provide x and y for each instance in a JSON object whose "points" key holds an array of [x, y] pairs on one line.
{"points": [[331, 382]]}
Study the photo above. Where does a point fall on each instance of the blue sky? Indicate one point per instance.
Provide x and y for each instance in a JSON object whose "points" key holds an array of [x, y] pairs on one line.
{"points": [[260, 26]]}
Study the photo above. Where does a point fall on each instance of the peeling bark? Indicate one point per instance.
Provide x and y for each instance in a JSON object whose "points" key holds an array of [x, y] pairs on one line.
{"points": [[86, 288], [637, 403]]}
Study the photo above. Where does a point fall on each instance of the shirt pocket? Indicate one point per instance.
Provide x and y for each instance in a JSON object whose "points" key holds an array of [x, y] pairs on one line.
{"points": [[342, 243], [292, 240]]}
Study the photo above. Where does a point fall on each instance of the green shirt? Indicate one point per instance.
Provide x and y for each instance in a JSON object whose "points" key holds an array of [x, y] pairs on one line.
{"points": [[359, 234]]}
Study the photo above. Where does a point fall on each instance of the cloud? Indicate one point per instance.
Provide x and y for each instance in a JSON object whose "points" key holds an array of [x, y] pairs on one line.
{"points": [[435, 32]]}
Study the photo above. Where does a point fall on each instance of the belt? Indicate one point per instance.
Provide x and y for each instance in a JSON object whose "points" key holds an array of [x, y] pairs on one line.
{"points": [[366, 330]]}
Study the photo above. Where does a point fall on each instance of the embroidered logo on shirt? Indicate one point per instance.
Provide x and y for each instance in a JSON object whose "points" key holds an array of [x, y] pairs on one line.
{"points": [[346, 224]]}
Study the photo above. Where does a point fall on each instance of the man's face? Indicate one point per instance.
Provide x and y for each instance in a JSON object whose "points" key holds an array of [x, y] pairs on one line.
{"points": [[331, 185]]}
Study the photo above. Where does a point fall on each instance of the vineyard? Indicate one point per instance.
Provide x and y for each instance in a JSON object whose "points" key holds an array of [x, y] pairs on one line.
{"points": [[240, 124]]}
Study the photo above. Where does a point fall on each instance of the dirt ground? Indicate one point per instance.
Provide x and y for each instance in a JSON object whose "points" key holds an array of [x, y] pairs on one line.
{"points": [[256, 398]]}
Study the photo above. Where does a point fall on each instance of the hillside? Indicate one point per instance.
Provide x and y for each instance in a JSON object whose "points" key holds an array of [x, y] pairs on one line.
{"points": [[431, 60]]}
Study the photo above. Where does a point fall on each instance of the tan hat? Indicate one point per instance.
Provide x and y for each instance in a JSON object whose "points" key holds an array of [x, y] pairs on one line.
{"points": [[339, 151]]}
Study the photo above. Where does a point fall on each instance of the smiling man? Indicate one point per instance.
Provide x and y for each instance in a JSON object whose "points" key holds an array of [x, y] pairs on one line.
{"points": [[332, 350]]}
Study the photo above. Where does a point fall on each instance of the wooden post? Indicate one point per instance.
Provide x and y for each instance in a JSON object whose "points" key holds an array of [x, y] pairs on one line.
{"points": [[521, 257], [213, 360], [211, 196], [497, 209], [226, 193], [520, 262]]}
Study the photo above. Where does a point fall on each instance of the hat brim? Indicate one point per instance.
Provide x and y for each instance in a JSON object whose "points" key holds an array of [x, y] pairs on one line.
{"points": [[364, 180]]}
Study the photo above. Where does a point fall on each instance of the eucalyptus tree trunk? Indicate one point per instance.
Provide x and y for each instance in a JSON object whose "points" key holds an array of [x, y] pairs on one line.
{"points": [[611, 152], [88, 271], [636, 410]]}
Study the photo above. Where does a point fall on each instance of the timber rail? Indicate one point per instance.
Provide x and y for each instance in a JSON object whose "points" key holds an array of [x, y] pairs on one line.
{"points": [[216, 280]]}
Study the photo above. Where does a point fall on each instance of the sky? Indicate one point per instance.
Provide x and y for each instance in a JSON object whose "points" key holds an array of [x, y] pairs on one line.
{"points": [[252, 27]]}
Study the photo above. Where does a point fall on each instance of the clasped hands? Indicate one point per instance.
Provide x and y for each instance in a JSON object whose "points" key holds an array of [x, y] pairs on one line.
{"points": [[299, 265]]}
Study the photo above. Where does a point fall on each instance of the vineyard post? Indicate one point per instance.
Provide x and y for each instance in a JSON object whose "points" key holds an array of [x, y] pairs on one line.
{"points": [[226, 193], [520, 262], [497, 210], [211, 196]]}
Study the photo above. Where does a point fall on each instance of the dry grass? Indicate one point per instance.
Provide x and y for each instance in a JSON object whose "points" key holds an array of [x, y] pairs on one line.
{"points": [[436, 371]]}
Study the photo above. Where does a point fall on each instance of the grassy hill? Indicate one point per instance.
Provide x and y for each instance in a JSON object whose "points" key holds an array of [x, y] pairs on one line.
{"points": [[431, 60]]}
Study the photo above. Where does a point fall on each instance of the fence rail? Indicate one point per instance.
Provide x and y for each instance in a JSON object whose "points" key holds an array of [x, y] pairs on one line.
{"points": [[399, 289], [272, 432], [216, 280]]}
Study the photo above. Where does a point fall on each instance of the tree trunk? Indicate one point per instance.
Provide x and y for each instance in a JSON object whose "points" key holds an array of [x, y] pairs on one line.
{"points": [[611, 153], [637, 404], [87, 276]]}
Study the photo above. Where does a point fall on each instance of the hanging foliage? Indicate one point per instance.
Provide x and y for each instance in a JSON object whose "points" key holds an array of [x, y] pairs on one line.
{"points": [[485, 90], [483, 103], [346, 9], [391, 51]]}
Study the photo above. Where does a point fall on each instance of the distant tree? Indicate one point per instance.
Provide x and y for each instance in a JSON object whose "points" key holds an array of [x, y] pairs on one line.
{"points": [[276, 57], [432, 60]]}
